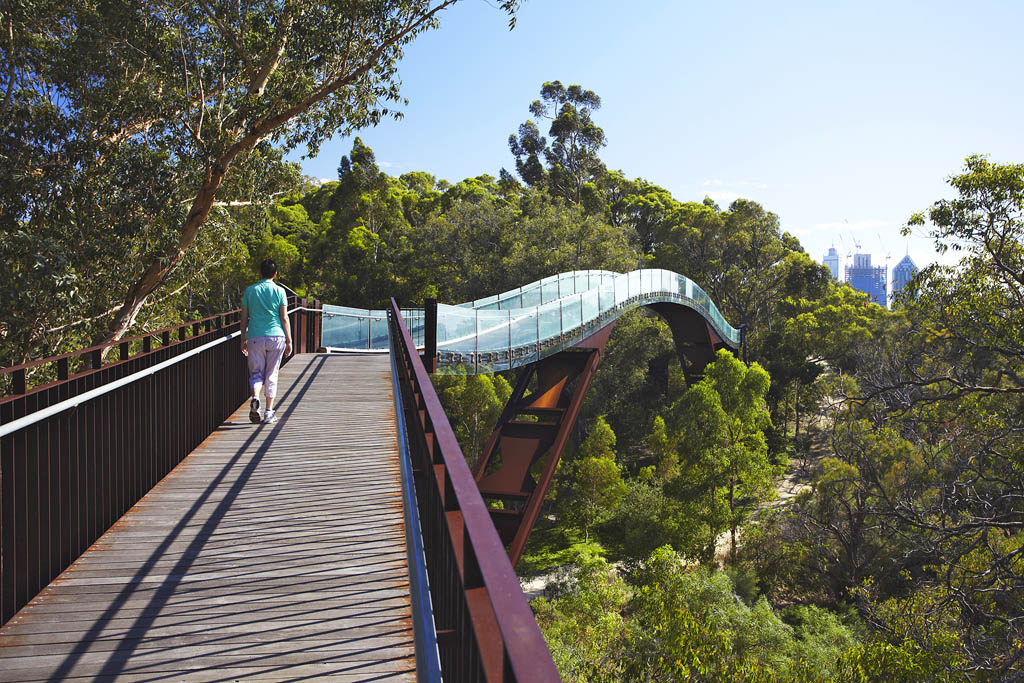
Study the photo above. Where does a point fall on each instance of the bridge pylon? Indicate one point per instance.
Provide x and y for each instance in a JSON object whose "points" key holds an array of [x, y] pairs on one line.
{"points": [[519, 459], [530, 427]]}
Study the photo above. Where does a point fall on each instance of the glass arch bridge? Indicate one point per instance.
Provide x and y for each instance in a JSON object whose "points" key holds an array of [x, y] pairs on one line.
{"points": [[530, 323]]}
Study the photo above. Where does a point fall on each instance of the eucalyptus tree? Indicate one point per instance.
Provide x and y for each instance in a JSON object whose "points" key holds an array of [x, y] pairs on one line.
{"points": [[718, 428], [575, 140], [146, 118], [955, 388], [592, 486]]}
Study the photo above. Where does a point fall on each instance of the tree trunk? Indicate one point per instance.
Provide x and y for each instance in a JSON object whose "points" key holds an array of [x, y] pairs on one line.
{"points": [[732, 521], [161, 267], [796, 412]]}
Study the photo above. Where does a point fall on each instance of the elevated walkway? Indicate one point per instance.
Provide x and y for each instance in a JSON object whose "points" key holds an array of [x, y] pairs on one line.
{"points": [[272, 552], [539, 320]]}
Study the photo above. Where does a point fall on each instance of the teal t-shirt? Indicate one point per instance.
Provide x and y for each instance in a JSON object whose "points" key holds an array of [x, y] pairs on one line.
{"points": [[263, 300]]}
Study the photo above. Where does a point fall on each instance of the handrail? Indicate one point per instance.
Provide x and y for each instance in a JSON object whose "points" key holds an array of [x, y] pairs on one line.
{"points": [[428, 664], [75, 401], [127, 340], [486, 630], [305, 329]]}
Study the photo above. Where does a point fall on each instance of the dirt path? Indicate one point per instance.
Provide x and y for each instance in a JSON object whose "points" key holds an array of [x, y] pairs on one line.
{"points": [[797, 478]]}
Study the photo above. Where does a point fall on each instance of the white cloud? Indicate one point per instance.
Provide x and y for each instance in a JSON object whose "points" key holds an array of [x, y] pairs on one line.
{"points": [[723, 197]]}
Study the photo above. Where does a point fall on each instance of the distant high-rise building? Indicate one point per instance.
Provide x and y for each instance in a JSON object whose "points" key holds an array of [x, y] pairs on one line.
{"points": [[901, 274], [869, 279], [832, 261]]}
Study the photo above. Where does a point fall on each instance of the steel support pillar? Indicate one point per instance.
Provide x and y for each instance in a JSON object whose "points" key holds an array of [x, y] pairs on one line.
{"points": [[520, 457], [513, 468]]}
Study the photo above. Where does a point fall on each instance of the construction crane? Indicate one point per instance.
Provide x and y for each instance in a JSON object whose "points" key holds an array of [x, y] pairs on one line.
{"points": [[853, 237], [881, 245]]}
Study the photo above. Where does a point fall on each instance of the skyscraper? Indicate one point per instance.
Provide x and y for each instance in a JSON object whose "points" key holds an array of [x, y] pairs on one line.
{"points": [[901, 274], [832, 261], [869, 279]]}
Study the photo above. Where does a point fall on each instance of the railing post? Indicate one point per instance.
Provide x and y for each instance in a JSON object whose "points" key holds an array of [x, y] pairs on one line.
{"points": [[303, 327], [18, 383], [318, 325], [430, 335]]}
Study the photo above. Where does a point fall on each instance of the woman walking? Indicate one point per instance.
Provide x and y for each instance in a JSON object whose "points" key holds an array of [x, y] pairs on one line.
{"points": [[267, 339]]}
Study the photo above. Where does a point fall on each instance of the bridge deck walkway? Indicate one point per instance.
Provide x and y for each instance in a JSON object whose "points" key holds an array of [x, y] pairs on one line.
{"points": [[271, 552]]}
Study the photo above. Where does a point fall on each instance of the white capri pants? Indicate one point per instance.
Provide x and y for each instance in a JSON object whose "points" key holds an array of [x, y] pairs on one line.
{"points": [[265, 355]]}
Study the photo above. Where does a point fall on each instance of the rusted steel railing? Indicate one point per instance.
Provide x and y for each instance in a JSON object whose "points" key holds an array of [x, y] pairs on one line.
{"points": [[485, 629], [307, 324], [87, 441]]}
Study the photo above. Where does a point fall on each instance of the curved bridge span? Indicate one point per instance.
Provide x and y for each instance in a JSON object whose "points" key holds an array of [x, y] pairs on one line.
{"points": [[525, 325]]}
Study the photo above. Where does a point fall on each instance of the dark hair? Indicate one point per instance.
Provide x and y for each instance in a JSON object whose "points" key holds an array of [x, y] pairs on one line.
{"points": [[268, 268]]}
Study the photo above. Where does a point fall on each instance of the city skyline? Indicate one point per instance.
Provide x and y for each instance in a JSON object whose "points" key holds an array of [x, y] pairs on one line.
{"points": [[877, 281]]}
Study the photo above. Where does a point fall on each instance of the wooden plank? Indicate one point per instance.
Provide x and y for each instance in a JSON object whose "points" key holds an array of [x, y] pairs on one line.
{"points": [[272, 552]]}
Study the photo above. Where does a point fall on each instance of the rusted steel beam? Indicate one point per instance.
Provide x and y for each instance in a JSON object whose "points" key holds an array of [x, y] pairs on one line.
{"points": [[696, 341], [486, 630], [562, 382]]}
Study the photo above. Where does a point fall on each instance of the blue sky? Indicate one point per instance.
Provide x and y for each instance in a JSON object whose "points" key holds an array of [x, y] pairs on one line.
{"points": [[841, 117]]}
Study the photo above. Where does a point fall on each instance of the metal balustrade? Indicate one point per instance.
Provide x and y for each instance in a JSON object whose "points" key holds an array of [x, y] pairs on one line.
{"points": [[529, 323], [82, 445], [485, 629]]}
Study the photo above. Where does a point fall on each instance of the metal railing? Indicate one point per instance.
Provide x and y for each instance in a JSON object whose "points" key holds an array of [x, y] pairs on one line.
{"points": [[485, 629], [82, 445], [529, 323]]}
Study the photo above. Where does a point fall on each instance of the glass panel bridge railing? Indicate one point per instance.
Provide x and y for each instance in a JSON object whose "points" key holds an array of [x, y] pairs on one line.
{"points": [[523, 325]]}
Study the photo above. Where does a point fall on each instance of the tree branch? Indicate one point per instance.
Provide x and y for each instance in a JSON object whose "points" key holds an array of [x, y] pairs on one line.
{"points": [[258, 83], [230, 37]]}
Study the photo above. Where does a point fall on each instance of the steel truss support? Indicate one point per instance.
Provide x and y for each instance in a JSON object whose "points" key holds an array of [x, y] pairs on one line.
{"points": [[520, 457], [530, 427]]}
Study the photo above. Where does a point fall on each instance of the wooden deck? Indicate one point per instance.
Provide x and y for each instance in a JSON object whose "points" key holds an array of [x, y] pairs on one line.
{"points": [[272, 552]]}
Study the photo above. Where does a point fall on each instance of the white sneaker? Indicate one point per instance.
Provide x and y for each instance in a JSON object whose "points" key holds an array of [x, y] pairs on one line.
{"points": [[269, 417], [254, 410]]}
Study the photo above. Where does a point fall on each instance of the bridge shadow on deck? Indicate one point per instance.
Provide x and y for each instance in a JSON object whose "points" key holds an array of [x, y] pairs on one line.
{"points": [[269, 583]]}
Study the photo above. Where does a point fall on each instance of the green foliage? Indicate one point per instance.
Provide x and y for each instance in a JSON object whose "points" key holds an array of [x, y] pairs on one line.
{"points": [[592, 485], [677, 623], [584, 625], [664, 451], [718, 428], [645, 520], [473, 404]]}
